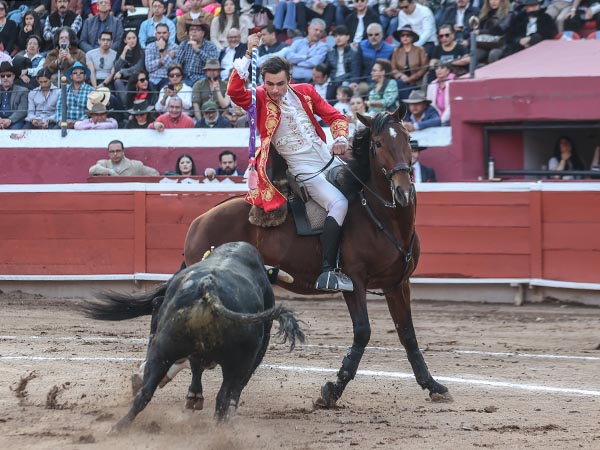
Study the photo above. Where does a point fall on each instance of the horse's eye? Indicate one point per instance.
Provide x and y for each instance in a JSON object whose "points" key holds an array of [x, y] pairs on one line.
{"points": [[377, 144]]}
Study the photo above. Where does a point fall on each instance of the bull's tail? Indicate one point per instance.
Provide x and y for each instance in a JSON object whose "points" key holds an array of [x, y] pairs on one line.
{"points": [[289, 325], [115, 306]]}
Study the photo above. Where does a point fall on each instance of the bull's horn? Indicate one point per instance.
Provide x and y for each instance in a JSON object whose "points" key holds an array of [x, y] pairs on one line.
{"points": [[282, 275]]}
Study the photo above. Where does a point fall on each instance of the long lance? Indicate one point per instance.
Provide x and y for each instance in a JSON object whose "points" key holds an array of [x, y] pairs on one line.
{"points": [[252, 174]]}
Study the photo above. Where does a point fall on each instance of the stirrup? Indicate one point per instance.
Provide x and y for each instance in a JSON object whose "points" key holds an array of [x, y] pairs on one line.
{"points": [[334, 281]]}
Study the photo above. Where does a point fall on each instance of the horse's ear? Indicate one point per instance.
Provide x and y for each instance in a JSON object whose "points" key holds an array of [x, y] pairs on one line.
{"points": [[400, 113], [366, 120]]}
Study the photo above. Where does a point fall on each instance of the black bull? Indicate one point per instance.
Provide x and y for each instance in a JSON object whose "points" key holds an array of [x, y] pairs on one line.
{"points": [[217, 311]]}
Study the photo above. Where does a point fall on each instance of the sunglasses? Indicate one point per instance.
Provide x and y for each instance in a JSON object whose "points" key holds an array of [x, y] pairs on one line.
{"points": [[78, 72], [102, 62], [444, 35], [141, 80], [173, 75], [405, 35], [6, 75]]}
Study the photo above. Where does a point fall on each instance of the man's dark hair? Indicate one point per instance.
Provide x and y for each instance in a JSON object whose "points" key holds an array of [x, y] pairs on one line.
{"points": [[275, 65], [340, 29], [73, 42], [44, 73], [107, 32], [225, 153], [270, 28], [323, 68], [161, 25], [116, 141]]}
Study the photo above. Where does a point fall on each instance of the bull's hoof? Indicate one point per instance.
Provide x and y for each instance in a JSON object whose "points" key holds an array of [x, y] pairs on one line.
{"points": [[136, 383], [328, 396], [195, 402], [121, 425], [441, 397]]}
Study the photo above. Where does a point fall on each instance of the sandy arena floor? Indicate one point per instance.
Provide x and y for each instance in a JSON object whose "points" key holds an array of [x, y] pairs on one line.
{"points": [[521, 377]]}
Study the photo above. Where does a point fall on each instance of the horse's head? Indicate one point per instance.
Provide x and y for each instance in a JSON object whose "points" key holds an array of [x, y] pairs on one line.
{"points": [[391, 153]]}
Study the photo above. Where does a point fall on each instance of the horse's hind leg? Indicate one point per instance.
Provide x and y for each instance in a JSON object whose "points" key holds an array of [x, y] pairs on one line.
{"points": [[398, 301]]}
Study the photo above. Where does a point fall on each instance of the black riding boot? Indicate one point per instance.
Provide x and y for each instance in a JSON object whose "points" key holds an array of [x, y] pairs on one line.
{"points": [[331, 278]]}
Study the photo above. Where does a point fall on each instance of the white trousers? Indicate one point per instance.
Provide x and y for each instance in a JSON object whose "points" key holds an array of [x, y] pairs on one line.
{"points": [[328, 197]]}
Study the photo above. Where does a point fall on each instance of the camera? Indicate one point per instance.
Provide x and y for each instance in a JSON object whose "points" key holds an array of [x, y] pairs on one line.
{"points": [[64, 46]]}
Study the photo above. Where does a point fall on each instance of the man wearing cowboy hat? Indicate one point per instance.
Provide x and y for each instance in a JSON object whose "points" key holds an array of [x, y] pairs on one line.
{"points": [[148, 26], [13, 99], [211, 88], [196, 51], [119, 165], [196, 12], [77, 95], [529, 27], [235, 49], [421, 173], [139, 115], [422, 114], [98, 119]]}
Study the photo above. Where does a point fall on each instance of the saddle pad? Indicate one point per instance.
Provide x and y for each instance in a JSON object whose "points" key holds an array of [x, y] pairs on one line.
{"points": [[309, 217]]}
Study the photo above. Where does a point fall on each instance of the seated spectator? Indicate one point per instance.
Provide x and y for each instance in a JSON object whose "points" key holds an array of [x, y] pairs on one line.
{"points": [[98, 119], [227, 166], [101, 61], [140, 115], [18, 9], [269, 43], [422, 114], [64, 54], [32, 62], [13, 104], [62, 17], [562, 10], [119, 165], [77, 95], [388, 16], [237, 116], [458, 15], [305, 53], [234, 50], [196, 12], [421, 172], [129, 63], [160, 55], [438, 92], [103, 21], [42, 103], [409, 62], [343, 94], [211, 118], [323, 86], [565, 157], [357, 105], [148, 27], [138, 89], [339, 58], [184, 167], [420, 18], [307, 11], [383, 96], [8, 30], [358, 20], [494, 19], [285, 17], [91, 8], [175, 89], [211, 88], [170, 8], [193, 53], [31, 26], [529, 27], [369, 50], [450, 51], [228, 18], [173, 118]]}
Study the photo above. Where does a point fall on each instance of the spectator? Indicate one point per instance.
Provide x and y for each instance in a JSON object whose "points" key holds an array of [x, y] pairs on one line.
{"points": [[119, 165], [370, 49], [438, 91], [196, 12], [357, 106], [211, 88], [101, 61], [339, 58], [420, 18], [170, 9], [304, 54], [309, 10], [383, 96], [91, 8], [269, 43], [8, 30], [343, 94], [228, 18], [148, 27], [98, 120], [529, 27], [237, 116], [101, 22], [450, 51], [285, 17], [65, 53], [139, 115], [234, 50], [359, 20], [175, 89], [138, 89], [421, 172], [34, 58], [31, 26], [13, 99], [409, 62], [62, 17], [494, 19], [388, 16], [42, 102], [422, 114], [130, 62], [18, 9], [184, 167], [77, 95], [561, 10], [193, 53], [211, 118], [160, 55], [596, 160], [565, 157], [458, 15], [173, 118], [227, 166], [320, 80]]}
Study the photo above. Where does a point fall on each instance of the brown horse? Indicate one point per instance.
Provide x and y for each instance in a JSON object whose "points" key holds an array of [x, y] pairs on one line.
{"points": [[379, 249]]}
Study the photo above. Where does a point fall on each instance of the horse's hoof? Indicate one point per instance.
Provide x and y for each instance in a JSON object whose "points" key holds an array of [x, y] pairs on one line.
{"points": [[136, 383], [441, 397], [328, 396]]}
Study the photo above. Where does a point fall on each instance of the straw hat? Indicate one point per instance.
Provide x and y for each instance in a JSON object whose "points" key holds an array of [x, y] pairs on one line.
{"points": [[100, 95]]}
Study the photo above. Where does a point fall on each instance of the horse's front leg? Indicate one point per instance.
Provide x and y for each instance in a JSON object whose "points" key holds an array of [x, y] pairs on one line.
{"points": [[357, 306], [398, 300]]}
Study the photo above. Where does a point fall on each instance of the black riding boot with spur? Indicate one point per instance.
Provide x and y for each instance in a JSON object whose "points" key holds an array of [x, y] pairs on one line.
{"points": [[332, 278]]}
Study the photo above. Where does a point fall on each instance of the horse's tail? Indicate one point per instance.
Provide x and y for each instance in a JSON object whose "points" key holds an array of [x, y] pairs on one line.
{"points": [[289, 325], [114, 306]]}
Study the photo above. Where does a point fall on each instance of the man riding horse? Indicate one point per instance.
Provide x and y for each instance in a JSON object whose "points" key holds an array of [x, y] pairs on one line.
{"points": [[286, 120]]}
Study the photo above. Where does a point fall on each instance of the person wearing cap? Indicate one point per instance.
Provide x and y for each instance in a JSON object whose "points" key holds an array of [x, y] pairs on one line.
{"points": [[235, 49], [13, 99], [148, 26], [118, 164], [196, 12], [409, 62], [211, 118], [422, 114], [421, 173], [160, 54], [103, 21], [211, 88], [421, 19], [529, 27], [77, 95], [98, 119], [196, 51], [42, 103], [173, 118], [139, 115]]}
